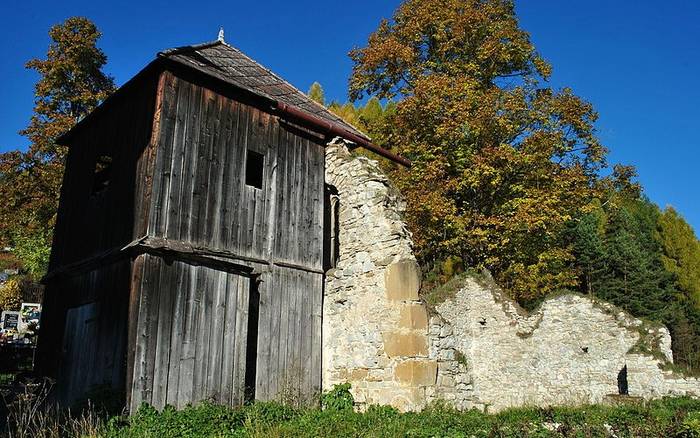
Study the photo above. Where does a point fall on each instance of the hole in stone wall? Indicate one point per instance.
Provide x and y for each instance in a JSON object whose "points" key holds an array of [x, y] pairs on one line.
{"points": [[331, 227], [622, 387]]}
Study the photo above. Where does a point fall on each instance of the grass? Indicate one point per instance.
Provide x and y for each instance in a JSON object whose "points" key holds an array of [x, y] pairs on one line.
{"points": [[665, 418], [671, 417]]}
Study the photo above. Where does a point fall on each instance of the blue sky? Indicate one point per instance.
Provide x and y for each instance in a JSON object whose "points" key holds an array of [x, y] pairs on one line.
{"points": [[637, 61]]}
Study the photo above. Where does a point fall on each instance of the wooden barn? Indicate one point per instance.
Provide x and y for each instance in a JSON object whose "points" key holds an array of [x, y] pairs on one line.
{"points": [[192, 237]]}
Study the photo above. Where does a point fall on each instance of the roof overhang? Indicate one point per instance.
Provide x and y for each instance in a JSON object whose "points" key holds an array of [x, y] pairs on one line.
{"points": [[280, 109]]}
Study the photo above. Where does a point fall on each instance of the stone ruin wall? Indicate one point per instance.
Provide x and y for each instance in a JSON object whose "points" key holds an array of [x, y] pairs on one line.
{"points": [[569, 351], [375, 328], [478, 349]]}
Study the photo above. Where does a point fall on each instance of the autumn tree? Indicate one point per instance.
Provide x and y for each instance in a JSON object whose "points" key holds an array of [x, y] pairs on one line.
{"points": [[316, 93], [501, 161], [10, 295], [71, 84]]}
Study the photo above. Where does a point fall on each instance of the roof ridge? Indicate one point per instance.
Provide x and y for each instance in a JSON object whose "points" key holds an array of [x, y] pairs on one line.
{"points": [[190, 48]]}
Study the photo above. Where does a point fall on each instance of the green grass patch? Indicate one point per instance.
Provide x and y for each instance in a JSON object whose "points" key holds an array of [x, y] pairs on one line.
{"points": [[664, 418], [671, 417]]}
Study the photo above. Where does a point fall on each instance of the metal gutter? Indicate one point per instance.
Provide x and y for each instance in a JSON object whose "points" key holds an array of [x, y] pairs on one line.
{"points": [[327, 127]]}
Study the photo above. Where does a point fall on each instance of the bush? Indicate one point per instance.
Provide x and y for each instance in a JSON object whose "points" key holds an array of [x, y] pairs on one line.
{"points": [[11, 294], [338, 398]]}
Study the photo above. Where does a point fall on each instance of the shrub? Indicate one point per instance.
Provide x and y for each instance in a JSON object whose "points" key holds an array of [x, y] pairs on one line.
{"points": [[338, 399], [10, 294]]}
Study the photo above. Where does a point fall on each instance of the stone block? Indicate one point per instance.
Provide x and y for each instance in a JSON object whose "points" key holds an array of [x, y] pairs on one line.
{"points": [[353, 374], [414, 316], [417, 372], [402, 398], [402, 281], [405, 344]]}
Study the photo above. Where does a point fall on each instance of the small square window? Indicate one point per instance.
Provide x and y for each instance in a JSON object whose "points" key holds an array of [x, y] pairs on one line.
{"points": [[254, 169]]}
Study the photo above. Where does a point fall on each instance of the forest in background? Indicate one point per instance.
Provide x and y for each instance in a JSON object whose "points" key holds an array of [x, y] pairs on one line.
{"points": [[508, 173]]}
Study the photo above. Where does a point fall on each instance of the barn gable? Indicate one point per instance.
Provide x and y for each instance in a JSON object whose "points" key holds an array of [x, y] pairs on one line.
{"points": [[225, 62]]}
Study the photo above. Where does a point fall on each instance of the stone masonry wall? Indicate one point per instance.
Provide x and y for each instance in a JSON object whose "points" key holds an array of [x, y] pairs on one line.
{"points": [[569, 351], [477, 349], [374, 325]]}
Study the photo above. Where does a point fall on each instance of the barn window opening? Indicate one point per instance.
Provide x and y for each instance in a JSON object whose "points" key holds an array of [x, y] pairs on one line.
{"points": [[622, 386], [251, 354], [102, 174], [331, 227], [254, 169]]}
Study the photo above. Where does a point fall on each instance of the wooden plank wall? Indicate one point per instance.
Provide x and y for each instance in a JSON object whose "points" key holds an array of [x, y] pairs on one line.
{"points": [[191, 332], [95, 330], [289, 336], [88, 225], [200, 198], [79, 342], [199, 191]]}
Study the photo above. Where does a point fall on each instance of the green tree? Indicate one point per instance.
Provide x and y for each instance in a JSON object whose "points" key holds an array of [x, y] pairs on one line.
{"points": [[34, 250], [634, 277], [501, 161], [588, 246], [316, 93], [71, 84], [681, 253]]}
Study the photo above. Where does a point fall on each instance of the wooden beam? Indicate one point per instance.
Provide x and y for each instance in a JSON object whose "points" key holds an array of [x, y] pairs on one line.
{"points": [[171, 249]]}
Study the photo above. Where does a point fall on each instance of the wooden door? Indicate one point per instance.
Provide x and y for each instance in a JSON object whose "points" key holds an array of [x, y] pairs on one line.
{"points": [[79, 352], [191, 338]]}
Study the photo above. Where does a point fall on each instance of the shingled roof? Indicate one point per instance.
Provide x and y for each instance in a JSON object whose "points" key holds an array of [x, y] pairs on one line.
{"points": [[224, 62]]}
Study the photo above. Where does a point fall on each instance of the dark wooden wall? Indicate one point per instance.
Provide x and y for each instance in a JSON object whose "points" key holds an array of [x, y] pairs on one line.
{"points": [[95, 328], [90, 226], [200, 198]]}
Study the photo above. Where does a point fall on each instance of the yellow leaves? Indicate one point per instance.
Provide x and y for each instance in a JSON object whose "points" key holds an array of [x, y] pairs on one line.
{"points": [[71, 85], [10, 295], [501, 163], [550, 273]]}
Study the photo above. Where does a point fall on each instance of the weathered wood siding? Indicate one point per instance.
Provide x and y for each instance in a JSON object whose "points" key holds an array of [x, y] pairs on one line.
{"points": [[90, 225], [289, 335], [199, 190], [192, 331], [200, 197]]}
